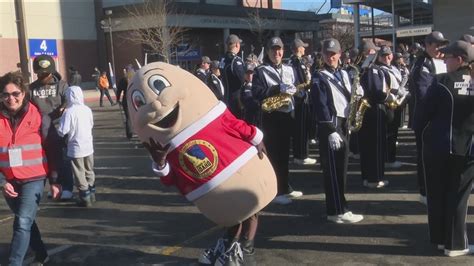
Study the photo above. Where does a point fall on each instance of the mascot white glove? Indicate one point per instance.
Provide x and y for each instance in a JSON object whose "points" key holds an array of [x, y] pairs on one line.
{"points": [[287, 88], [335, 141]]}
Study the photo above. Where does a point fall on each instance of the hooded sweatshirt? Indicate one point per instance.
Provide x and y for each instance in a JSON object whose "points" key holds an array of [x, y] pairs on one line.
{"points": [[77, 123]]}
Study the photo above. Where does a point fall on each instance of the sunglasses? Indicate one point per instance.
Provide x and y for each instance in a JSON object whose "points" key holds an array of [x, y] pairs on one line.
{"points": [[6, 95]]}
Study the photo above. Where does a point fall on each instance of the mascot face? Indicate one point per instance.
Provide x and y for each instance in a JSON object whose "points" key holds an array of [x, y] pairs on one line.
{"points": [[164, 99]]}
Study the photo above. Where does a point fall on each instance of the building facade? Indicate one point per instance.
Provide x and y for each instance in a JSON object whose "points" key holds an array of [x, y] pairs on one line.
{"points": [[71, 25]]}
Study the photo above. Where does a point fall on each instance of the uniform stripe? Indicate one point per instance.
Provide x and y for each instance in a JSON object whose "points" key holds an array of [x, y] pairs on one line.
{"points": [[333, 173]]}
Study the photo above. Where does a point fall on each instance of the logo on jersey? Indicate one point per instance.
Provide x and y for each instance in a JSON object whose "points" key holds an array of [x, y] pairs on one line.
{"points": [[45, 92], [198, 158], [465, 87]]}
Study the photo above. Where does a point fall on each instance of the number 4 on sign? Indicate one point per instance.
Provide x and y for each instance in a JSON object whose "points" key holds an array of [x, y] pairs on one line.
{"points": [[43, 46]]}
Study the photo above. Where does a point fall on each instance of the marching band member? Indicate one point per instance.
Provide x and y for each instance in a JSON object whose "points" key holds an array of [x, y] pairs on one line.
{"points": [[302, 108], [373, 134], [397, 84], [424, 70], [270, 79], [447, 124], [331, 93]]}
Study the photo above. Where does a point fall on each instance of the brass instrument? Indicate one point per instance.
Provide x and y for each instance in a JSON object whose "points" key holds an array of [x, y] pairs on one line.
{"points": [[400, 100], [358, 105], [274, 103], [282, 100]]}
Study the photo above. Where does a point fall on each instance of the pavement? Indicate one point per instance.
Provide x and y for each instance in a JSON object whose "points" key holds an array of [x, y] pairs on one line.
{"points": [[138, 221]]}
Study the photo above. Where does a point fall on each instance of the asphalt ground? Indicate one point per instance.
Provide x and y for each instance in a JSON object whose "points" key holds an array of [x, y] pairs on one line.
{"points": [[138, 221]]}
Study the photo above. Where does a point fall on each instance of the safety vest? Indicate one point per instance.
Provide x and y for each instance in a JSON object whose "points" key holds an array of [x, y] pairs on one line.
{"points": [[22, 156]]}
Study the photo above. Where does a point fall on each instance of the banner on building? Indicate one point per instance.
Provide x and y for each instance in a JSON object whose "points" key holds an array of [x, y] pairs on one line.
{"points": [[418, 31]]}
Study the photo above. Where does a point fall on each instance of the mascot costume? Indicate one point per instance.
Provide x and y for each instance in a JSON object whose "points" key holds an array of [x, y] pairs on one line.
{"points": [[197, 145]]}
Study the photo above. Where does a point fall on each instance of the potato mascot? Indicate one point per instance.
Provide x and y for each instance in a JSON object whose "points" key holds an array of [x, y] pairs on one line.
{"points": [[198, 145]]}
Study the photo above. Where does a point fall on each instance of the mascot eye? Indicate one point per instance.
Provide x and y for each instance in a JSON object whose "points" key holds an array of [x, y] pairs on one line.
{"points": [[158, 83], [138, 100]]}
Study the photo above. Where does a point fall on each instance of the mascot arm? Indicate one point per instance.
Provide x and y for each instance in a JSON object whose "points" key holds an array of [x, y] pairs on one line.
{"points": [[165, 174], [247, 132]]}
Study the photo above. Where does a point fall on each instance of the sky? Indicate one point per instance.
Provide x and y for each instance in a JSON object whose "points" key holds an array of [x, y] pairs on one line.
{"points": [[305, 5]]}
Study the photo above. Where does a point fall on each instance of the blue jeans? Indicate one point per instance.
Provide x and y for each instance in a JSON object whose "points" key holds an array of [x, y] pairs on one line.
{"points": [[25, 230]]}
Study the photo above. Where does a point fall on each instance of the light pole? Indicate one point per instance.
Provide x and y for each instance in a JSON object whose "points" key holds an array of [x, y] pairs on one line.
{"points": [[108, 25]]}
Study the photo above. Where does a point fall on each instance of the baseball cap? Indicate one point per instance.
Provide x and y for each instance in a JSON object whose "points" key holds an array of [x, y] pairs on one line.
{"points": [[274, 41], [299, 43], [367, 45], [416, 46], [385, 50], [206, 59], [231, 39], [353, 53], [44, 64], [460, 48], [250, 67], [436, 37], [467, 38], [214, 64], [331, 45]]}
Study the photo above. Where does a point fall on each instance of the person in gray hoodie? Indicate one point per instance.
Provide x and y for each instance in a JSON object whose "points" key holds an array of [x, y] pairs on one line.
{"points": [[47, 93], [76, 124]]}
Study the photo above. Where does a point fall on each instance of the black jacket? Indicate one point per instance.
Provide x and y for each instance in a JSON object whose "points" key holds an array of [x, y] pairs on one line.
{"points": [[447, 119]]}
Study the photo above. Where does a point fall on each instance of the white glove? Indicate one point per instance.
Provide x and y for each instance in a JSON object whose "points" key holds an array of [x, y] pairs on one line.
{"points": [[402, 91], [360, 91], [335, 141], [287, 88]]}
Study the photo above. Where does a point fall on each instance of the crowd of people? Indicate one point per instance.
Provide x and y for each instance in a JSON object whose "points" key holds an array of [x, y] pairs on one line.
{"points": [[46, 135], [354, 102], [308, 99]]}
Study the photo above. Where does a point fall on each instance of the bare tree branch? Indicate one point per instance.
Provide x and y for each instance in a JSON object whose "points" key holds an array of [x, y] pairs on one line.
{"points": [[151, 28], [259, 24]]}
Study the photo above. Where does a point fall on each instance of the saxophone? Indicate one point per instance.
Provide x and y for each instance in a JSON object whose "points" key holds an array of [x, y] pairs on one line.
{"points": [[277, 102], [358, 105], [283, 100]]}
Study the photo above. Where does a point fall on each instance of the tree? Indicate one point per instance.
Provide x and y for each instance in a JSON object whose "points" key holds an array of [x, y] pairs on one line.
{"points": [[150, 22], [344, 33], [257, 23]]}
